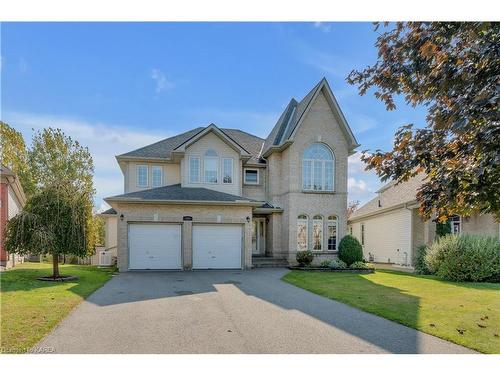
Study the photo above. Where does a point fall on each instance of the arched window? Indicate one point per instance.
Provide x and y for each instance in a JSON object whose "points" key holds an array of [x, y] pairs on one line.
{"points": [[332, 233], [210, 152], [302, 230], [317, 233], [317, 168]]}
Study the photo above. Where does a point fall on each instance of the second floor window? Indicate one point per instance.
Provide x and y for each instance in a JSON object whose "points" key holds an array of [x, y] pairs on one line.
{"points": [[317, 168], [142, 175], [251, 176], [156, 176], [194, 169], [211, 167], [227, 171]]}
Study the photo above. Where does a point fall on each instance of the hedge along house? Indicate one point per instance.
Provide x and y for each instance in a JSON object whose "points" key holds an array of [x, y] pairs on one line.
{"points": [[390, 228]]}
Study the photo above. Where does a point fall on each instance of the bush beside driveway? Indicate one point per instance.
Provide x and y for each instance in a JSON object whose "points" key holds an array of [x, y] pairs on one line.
{"points": [[31, 308], [465, 313]]}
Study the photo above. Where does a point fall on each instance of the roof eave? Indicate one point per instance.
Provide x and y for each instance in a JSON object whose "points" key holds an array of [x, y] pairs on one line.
{"points": [[277, 148], [183, 202], [410, 205]]}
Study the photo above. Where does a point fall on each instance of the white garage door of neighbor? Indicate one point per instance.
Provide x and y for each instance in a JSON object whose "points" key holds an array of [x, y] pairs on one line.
{"points": [[216, 246], [154, 246]]}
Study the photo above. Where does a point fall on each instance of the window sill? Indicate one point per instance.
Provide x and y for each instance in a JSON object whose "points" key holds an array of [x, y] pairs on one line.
{"points": [[318, 191]]}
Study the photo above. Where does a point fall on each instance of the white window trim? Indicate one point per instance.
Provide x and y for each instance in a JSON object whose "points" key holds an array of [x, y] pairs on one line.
{"points": [[216, 158], [160, 167], [306, 222], [199, 169], [323, 170], [138, 166], [334, 222], [222, 171], [459, 225], [321, 236], [245, 176]]}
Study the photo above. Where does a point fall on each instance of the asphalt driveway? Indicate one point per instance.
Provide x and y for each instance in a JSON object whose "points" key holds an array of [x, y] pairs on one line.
{"points": [[227, 312]]}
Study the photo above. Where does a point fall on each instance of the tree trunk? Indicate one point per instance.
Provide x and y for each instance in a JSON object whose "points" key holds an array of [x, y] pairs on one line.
{"points": [[55, 265]]}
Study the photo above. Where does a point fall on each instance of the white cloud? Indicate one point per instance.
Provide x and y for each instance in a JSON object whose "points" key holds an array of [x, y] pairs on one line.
{"points": [[162, 83], [357, 185], [103, 140], [325, 27], [355, 164]]}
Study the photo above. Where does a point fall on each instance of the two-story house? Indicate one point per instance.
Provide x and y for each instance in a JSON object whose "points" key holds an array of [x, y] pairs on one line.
{"points": [[219, 198]]}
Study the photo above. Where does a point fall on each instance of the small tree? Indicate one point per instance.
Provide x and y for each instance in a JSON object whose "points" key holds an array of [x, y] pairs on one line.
{"points": [[350, 250], [352, 206], [56, 220]]}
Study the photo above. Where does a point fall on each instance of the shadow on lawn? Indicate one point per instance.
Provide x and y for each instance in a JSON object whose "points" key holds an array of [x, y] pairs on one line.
{"points": [[25, 279]]}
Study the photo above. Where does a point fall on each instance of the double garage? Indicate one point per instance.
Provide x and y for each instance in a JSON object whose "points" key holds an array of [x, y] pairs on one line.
{"points": [[158, 246]]}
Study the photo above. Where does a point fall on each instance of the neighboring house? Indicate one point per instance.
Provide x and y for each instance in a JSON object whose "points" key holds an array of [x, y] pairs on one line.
{"points": [[106, 255], [390, 228], [221, 198], [12, 200]]}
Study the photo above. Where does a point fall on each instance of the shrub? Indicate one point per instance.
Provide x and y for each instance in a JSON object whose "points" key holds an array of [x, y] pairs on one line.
{"points": [[325, 264], [304, 257], [359, 265], [337, 264], [350, 250], [442, 229], [464, 258], [420, 266]]}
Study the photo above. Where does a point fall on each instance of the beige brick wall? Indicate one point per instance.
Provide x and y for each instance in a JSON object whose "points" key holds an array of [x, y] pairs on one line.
{"points": [[257, 192], [481, 224], [285, 179], [175, 214]]}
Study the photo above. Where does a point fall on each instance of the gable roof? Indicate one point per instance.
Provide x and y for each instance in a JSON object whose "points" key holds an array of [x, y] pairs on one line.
{"points": [[295, 112], [391, 195], [251, 144], [11, 178], [176, 193]]}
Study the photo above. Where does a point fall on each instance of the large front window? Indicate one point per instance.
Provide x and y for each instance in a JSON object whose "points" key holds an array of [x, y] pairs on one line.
{"points": [[142, 175], [227, 170], [317, 168], [194, 169], [302, 233], [156, 176], [318, 233]]}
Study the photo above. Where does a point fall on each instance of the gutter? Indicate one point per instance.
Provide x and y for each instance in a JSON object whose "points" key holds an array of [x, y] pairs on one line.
{"points": [[408, 205], [184, 202]]}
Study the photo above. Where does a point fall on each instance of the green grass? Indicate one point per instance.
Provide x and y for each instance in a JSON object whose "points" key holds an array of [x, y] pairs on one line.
{"points": [[426, 303], [31, 308]]}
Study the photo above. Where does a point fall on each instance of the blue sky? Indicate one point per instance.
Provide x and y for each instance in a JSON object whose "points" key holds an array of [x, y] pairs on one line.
{"points": [[119, 86]]}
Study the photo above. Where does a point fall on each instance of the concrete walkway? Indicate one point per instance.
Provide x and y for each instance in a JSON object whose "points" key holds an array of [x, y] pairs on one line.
{"points": [[227, 312]]}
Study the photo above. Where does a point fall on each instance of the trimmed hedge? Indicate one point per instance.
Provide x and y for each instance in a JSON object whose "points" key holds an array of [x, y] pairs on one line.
{"points": [[465, 258], [350, 250], [304, 258]]}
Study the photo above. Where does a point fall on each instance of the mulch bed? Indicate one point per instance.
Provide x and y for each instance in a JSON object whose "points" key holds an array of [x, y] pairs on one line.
{"points": [[58, 279], [347, 270]]}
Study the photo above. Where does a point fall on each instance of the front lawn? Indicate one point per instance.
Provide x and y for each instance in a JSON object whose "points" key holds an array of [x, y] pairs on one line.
{"points": [[465, 313], [31, 308]]}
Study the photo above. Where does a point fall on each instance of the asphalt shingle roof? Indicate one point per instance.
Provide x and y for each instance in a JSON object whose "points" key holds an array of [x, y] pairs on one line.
{"points": [[178, 193], [164, 148], [109, 211], [391, 195]]}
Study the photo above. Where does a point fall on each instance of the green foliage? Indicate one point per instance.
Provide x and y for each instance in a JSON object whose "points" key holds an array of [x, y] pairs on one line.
{"points": [[359, 266], [56, 157], [304, 258], [465, 257], [337, 264], [442, 229], [451, 69], [325, 264], [350, 250], [56, 221], [13, 155], [420, 266]]}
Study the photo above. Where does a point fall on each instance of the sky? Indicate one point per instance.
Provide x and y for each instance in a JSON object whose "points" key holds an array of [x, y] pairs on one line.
{"points": [[116, 87]]}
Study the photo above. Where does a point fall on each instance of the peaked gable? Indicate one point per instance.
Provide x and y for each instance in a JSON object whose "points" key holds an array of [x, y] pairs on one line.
{"points": [[294, 114]]}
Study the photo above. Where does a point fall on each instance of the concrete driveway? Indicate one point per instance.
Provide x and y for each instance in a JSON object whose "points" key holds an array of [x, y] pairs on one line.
{"points": [[227, 312]]}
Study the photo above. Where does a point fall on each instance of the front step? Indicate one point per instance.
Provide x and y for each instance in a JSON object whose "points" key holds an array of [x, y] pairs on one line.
{"points": [[268, 262]]}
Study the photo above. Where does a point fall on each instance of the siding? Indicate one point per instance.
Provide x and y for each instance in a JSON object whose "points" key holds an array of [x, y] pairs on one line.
{"points": [[212, 141], [171, 175], [14, 206], [385, 234]]}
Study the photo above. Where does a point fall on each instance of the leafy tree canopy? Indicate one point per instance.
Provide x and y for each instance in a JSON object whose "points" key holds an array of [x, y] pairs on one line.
{"points": [[14, 155], [452, 69], [56, 220]]}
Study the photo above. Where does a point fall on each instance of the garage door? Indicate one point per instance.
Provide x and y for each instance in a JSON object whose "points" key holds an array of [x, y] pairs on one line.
{"points": [[155, 246], [216, 246]]}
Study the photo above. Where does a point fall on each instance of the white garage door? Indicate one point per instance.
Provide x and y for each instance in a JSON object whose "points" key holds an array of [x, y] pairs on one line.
{"points": [[154, 246], [216, 246]]}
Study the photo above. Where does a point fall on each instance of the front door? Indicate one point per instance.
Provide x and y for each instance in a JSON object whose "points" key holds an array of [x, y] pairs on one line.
{"points": [[258, 236]]}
